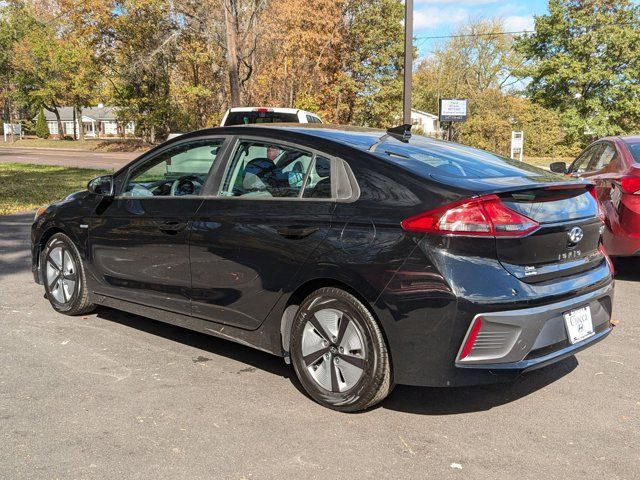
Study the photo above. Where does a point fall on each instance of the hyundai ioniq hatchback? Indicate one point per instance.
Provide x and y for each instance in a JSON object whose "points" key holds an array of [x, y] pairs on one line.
{"points": [[365, 258]]}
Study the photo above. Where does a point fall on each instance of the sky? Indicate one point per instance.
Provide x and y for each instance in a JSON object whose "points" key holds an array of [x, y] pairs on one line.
{"points": [[443, 17]]}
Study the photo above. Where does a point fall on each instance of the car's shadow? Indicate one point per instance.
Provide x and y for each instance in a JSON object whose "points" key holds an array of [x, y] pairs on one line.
{"points": [[420, 400], [454, 400], [627, 268]]}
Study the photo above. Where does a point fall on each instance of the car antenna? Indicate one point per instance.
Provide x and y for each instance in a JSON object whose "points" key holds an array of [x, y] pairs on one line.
{"points": [[401, 132]]}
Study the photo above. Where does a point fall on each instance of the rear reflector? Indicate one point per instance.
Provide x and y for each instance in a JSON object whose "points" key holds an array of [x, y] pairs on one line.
{"points": [[630, 184], [483, 216], [471, 338]]}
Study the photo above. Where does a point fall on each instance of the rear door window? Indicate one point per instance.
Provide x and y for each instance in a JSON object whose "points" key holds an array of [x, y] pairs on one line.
{"points": [[270, 170], [634, 148]]}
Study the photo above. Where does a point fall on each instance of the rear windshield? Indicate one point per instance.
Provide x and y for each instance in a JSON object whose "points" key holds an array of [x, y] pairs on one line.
{"points": [[552, 205], [424, 155], [634, 148], [248, 118]]}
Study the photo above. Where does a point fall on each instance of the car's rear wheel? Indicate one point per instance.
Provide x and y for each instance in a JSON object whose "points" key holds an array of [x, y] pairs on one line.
{"points": [[64, 276], [339, 353]]}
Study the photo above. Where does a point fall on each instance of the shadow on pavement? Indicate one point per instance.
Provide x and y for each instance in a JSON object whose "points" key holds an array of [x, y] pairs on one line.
{"points": [[455, 400], [15, 243], [214, 345], [418, 400], [627, 268]]}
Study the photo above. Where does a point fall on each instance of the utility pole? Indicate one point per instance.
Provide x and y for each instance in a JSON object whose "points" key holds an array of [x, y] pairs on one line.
{"points": [[408, 61]]}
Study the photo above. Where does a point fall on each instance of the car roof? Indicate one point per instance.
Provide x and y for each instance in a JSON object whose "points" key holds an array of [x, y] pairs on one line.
{"points": [[271, 110]]}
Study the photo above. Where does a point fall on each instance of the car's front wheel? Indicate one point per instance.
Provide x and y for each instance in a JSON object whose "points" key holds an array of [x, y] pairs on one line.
{"points": [[338, 351], [64, 276]]}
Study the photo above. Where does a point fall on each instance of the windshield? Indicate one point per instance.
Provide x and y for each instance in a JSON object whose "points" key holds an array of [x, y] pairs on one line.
{"points": [[249, 118]]}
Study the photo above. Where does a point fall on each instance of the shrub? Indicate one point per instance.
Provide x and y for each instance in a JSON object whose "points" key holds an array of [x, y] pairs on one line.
{"points": [[42, 129]]}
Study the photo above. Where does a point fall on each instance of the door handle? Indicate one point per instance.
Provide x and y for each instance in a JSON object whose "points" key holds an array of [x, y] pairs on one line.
{"points": [[294, 233], [171, 227]]}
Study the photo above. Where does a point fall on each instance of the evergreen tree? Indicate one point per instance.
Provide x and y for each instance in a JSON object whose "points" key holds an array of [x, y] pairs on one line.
{"points": [[42, 129]]}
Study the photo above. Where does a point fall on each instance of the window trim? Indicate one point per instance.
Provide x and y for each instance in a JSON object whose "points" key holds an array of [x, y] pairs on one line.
{"points": [[151, 156]]}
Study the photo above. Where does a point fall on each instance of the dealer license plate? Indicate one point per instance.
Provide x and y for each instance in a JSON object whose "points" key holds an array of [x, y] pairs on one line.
{"points": [[579, 324]]}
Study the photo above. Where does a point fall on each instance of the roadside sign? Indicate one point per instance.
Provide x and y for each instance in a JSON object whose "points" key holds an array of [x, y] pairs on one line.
{"points": [[517, 144], [17, 130], [453, 110]]}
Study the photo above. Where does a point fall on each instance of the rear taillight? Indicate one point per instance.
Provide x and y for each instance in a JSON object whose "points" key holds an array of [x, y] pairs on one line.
{"points": [[630, 184], [607, 258], [483, 216], [262, 110], [471, 338]]}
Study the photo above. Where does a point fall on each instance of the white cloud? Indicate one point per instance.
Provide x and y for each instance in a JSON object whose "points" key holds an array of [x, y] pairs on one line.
{"points": [[434, 17], [518, 23], [466, 3]]}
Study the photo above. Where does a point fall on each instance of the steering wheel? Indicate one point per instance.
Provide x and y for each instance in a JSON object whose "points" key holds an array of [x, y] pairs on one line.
{"points": [[187, 185]]}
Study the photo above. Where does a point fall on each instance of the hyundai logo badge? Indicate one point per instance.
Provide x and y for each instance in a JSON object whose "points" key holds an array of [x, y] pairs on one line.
{"points": [[575, 235]]}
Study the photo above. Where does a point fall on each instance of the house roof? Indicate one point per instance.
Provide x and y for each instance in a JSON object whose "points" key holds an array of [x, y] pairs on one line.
{"points": [[96, 114], [426, 114]]}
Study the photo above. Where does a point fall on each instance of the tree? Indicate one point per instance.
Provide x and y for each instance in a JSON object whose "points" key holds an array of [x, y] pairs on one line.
{"points": [[144, 38], [583, 62], [468, 65], [42, 129], [494, 115], [369, 85]]}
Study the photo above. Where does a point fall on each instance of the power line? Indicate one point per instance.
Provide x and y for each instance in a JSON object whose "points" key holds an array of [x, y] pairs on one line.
{"points": [[521, 32], [465, 35]]}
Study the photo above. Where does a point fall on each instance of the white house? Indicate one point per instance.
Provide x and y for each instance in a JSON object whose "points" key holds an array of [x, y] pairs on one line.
{"points": [[97, 122], [426, 121]]}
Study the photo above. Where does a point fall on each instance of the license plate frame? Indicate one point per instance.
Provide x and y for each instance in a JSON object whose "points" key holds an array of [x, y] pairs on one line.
{"points": [[579, 324]]}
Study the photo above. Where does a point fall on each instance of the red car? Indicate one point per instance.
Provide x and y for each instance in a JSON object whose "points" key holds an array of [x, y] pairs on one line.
{"points": [[613, 164]]}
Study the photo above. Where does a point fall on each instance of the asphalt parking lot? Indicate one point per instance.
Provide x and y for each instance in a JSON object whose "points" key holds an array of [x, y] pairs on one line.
{"points": [[112, 395]]}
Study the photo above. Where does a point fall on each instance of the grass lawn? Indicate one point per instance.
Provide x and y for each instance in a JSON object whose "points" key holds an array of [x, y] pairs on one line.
{"points": [[50, 143], [26, 187]]}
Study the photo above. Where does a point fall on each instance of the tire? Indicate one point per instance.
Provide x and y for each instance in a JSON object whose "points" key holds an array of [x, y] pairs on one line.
{"points": [[64, 277], [339, 353]]}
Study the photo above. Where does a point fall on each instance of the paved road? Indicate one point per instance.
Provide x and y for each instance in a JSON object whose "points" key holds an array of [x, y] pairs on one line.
{"points": [[113, 395], [66, 158]]}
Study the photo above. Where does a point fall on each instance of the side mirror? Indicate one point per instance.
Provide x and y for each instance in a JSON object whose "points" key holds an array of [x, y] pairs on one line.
{"points": [[558, 167], [102, 186]]}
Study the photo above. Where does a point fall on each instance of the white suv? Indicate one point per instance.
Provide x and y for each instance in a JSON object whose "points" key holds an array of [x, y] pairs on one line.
{"points": [[249, 115]]}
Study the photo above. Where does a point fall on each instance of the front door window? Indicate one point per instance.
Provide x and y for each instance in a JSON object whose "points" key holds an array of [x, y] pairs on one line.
{"points": [[177, 172]]}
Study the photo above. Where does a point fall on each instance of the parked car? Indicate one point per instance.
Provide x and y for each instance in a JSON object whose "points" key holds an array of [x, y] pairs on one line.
{"points": [[613, 164], [253, 115], [365, 258]]}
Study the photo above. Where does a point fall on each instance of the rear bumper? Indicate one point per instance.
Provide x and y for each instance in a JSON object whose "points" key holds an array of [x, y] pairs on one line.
{"points": [[527, 365], [529, 338]]}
